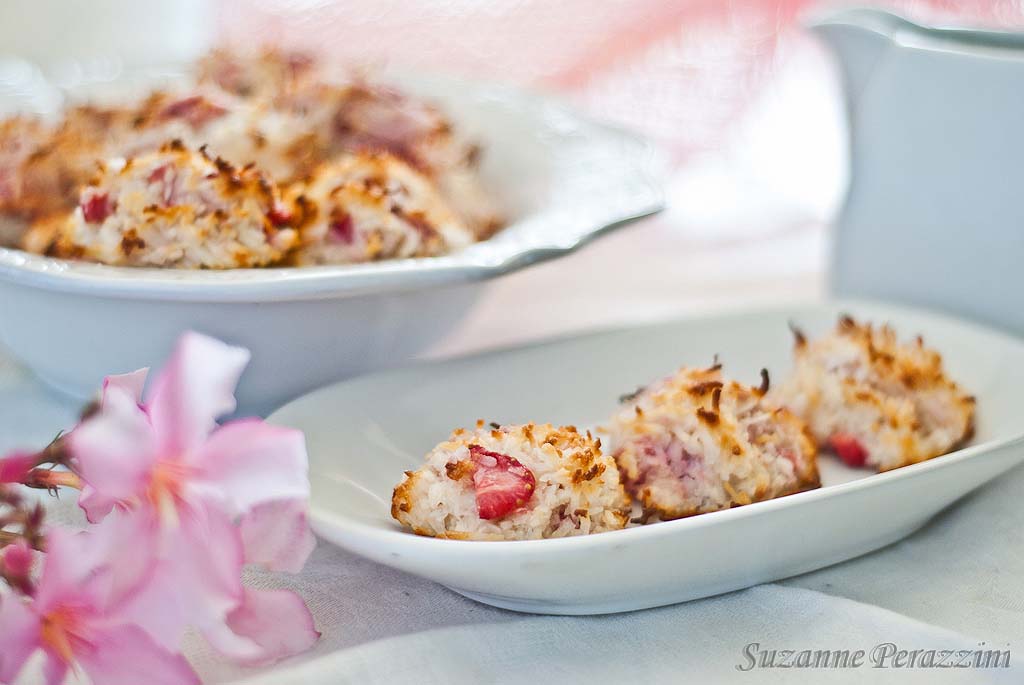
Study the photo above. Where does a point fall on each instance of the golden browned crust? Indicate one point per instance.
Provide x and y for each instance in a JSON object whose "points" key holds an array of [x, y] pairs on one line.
{"points": [[652, 511], [43, 168], [458, 470], [43, 235], [215, 199], [897, 372], [271, 71], [65, 160], [401, 498], [914, 366], [707, 389], [809, 478], [568, 461]]}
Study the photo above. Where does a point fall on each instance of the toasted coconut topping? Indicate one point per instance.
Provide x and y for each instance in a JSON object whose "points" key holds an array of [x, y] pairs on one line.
{"points": [[280, 111], [695, 442], [374, 206], [20, 138], [798, 336], [42, 167], [175, 207], [875, 401], [268, 72], [513, 482]]}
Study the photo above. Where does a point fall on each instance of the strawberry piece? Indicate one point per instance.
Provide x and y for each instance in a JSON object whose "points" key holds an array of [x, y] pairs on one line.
{"points": [[166, 178], [157, 175], [95, 207], [502, 484], [849, 449], [279, 215], [195, 110], [342, 230]]}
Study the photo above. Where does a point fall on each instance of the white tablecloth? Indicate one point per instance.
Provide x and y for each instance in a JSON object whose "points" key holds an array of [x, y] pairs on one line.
{"points": [[957, 584]]}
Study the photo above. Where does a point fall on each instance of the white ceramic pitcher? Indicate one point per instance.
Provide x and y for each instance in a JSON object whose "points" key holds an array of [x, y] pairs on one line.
{"points": [[935, 210]]}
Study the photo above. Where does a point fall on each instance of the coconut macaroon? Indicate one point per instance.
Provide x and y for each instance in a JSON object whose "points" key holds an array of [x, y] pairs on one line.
{"points": [[19, 137], [876, 401], [513, 483], [42, 167], [44, 170], [174, 208], [285, 114], [269, 72], [282, 142], [374, 117], [373, 206], [300, 119], [695, 443], [285, 137], [52, 164]]}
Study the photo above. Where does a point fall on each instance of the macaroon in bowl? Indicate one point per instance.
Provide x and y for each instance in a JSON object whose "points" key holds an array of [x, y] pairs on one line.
{"points": [[559, 179]]}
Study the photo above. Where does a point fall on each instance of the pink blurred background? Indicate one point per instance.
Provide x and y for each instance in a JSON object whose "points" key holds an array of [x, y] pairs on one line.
{"points": [[679, 70], [747, 105]]}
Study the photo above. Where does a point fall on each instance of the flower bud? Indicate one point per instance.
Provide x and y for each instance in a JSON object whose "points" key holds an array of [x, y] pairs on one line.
{"points": [[15, 466], [16, 562]]}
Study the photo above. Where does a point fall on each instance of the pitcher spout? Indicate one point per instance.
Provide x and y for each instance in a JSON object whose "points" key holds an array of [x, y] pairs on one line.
{"points": [[858, 38]]}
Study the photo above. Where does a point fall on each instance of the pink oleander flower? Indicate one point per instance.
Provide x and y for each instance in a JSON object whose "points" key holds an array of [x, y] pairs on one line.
{"points": [[76, 615], [212, 498]]}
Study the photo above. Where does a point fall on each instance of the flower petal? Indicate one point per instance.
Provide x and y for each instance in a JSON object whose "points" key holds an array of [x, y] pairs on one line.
{"points": [[195, 387], [130, 383], [276, 620], [113, 452], [247, 462], [159, 607], [19, 637], [100, 568], [197, 581], [123, 550], [67, 564], [126, 655], [54, 670], [276, 535], [235, 647], [210, 560], [95, 504]]}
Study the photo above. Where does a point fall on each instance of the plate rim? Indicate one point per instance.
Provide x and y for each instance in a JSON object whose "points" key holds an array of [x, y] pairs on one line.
{"points": [[318, 516]]}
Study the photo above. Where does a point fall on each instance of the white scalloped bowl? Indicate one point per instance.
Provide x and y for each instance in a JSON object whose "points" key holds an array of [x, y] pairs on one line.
{"points": [[561, 178]]}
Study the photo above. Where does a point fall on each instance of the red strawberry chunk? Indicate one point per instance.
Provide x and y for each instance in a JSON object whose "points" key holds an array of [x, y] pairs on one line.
{"points": [[196, 110], [342, 230], [165, 177], [279, 215], [95, 207], [502, 484], [157, 174], [849, 449]]}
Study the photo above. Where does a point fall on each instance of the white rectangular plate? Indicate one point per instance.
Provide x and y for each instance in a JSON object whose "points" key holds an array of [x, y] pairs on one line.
{"points": [[362, 434]]}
